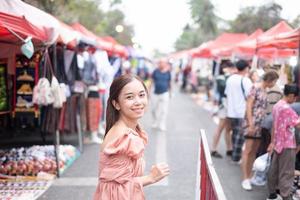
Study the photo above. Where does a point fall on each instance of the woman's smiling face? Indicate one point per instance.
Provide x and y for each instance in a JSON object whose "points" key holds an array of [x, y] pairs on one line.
{"points": [[132, 100]]}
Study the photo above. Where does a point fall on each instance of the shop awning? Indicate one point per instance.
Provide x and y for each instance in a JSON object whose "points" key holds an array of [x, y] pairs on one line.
{"points": [[67, 35], [117, 48], [10, 24], [248, 46], [286, 40], [270, 35], [213, 48], [102, 44], [34, 15]]}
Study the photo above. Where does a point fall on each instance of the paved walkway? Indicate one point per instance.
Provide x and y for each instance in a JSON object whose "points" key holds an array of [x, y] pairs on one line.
{"points": [[178, 147]]}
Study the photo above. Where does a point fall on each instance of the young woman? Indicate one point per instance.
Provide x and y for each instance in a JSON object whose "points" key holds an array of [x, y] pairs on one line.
{"points": [[255, 113], [227, 69], [121, 153]]}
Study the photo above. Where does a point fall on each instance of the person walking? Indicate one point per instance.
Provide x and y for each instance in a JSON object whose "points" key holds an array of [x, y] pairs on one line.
{"points": [[225, 72], [283, 145], [255, 113], [161, 79], [237, 89], [121, 165]]}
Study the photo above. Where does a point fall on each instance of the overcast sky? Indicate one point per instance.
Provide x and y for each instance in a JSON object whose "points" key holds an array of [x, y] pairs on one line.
{"points": [[158, 23]]}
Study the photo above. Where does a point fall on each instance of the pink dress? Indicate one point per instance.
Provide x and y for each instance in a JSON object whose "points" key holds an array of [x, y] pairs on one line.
{"points": [[121, 163]]}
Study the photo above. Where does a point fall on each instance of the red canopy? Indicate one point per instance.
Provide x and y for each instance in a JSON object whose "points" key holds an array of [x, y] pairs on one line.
{"points": [[248, 46], [35, 16], [286, 40], [20, 26], [117, 48], [103, 44], [281, 27], [213, 48], [203, 50]]}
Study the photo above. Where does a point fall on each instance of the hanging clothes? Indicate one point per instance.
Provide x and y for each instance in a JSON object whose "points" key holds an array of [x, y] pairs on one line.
{"points": [[93, 109]]}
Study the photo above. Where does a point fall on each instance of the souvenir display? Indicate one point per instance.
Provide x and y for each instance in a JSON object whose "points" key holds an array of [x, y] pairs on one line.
{"points": [[3, 89], [31, 161], [22, 189], [26, 78]]}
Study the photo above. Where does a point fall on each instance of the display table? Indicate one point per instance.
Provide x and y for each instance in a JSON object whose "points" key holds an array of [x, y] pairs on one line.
{"points": [[23, 188]]}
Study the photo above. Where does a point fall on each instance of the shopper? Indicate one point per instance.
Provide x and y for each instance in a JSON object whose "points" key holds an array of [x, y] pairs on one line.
{"points": [[161, 79], [237, 89], [226, 71], [281, 173], [255, 113], [121, 153]]}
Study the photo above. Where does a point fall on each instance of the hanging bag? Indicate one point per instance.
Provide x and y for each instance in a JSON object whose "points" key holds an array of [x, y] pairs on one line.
{"points": [[42, 94], [57, 91]]}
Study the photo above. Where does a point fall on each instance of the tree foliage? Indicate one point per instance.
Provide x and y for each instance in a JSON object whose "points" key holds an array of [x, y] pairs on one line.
{"points": [[89, 14], [204, 28], [206, 22], [252, 18], [202, 12]]}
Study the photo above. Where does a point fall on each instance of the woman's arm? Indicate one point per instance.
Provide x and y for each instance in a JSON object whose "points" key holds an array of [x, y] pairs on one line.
{"points": [[249, 114], [157, 173]]}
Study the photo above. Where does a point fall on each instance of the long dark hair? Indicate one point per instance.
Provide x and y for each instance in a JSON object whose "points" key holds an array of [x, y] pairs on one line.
{"points": [[112, 114]]}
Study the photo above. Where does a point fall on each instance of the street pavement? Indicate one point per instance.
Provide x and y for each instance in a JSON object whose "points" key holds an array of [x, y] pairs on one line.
{"points": [[178, 147]]}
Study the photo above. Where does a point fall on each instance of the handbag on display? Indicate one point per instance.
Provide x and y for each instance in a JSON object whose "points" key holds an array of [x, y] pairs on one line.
{"points": [[46, 93], [58, 93], [42, 94]]}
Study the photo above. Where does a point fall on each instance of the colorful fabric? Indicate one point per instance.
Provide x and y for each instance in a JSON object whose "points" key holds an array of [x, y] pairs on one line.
{"points": [[258, 110], [121, 164], [93, 113], [285, 120]]}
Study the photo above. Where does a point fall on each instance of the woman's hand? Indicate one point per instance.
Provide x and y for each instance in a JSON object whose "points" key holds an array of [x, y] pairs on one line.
{"points": [[251, 130], [270, 148], [159, 171]]}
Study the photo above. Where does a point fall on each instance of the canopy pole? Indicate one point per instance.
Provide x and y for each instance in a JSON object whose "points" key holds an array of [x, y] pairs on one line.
{"points": [[57, 134], [298, 62]]}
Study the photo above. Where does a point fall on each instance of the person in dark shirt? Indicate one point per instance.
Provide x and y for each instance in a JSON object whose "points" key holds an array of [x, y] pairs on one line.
{"points": [[161, 79]]}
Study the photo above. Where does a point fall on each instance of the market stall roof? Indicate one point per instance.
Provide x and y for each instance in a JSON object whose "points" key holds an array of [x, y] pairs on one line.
{"points": [[99, 41], [269, 35], [181, 54], [120, 50], [34, 15], [286, 40], [212, 48], [203, 50], [117, 48], [10, 24], [67, 35], [248, 46]]}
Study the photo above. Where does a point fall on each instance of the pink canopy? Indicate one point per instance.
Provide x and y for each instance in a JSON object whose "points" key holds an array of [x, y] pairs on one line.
{"points": [[248, 46], [269, 35], [20, 26], [35, 16], [264, 50], [213, 48], [103, 44], [286, 40]]}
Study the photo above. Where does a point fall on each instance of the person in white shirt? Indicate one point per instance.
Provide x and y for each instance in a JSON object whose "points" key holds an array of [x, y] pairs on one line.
{"points": [[237, 89]]}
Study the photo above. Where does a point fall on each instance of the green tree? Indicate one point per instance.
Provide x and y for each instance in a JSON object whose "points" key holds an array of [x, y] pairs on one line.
{"points": [[188, 39], [252, 18], [296, 22], [202, 12], [204, 27], [108, 25]]}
